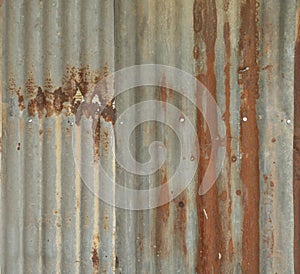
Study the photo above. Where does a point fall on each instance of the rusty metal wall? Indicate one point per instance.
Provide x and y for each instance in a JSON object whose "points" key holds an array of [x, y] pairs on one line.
{"points": [[53, 54]]}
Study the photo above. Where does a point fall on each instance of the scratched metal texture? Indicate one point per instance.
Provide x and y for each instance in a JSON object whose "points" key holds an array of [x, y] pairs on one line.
{"points": [[245, 52]]}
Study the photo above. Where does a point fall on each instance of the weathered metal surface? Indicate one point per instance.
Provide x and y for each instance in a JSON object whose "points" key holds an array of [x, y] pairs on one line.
{"points": [[296, 163], [54, 53]]}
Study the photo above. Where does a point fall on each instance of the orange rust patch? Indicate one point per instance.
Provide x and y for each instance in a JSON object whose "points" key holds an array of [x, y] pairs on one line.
{"points": [[80, 94], [248, 49]]}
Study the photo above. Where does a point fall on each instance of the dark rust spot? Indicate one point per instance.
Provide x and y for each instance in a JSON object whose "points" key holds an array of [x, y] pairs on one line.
{"points": [[238, 192], [117, 262], [181, 204], [273, 140], [19, 146], [233, 159]]}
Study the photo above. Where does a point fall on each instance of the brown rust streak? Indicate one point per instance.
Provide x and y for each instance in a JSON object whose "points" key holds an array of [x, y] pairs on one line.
{"points": [[180, 222], [163, 213], [248, 49], [226, 35], [297, 149], [210, 242]]}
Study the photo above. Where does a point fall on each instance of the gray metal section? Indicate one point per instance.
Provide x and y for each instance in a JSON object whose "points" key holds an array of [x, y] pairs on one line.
{"points": [[50, 222], [275, 110]]}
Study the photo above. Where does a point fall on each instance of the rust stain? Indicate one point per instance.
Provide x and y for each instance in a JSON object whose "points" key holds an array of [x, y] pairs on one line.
{"points": [[268, 226], [80, 95], [268, 67], [163, 213], [248, 49], [180, 222], [196, 52], [164, 196], [163, 89], [231, 250], [223, 196], [296, 167], [12, 88], [210, 242], [21, 101], [95, 256], [95, 260]]}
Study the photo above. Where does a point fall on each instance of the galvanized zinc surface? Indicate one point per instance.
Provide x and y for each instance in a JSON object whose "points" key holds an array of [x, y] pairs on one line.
{"points": [[54, 53]]}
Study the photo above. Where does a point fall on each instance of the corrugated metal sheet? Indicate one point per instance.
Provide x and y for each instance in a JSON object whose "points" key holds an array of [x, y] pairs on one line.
{"points": [[53, 54]]}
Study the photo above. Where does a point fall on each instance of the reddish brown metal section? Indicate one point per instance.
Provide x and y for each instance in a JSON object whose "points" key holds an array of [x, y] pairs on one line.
{"points": [[210, 241], [297, 150], [249, 76], [226, 118]]}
